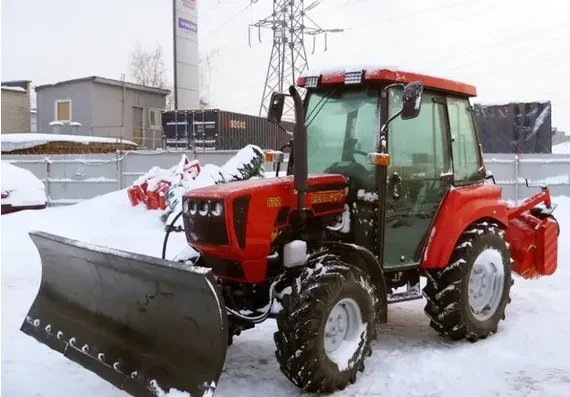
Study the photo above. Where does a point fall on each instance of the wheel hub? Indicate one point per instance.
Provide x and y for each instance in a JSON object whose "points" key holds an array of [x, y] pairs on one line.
{"points": [[486, 284], [343, 324]]}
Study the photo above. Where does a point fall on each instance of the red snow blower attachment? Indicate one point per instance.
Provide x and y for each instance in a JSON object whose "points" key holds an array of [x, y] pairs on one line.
{"points": [[139, 322], [533, 235]]}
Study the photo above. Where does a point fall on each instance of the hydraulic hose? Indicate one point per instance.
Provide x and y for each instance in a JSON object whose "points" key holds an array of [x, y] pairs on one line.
{"points": [[254, 319], [170, 228]]}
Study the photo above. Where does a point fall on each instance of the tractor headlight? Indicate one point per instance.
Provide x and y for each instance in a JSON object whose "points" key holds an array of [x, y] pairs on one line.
{"points": [[203, 208], [192, 208], [217, 209]]}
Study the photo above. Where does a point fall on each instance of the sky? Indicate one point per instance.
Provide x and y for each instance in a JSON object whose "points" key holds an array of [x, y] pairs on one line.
{"points": [[511, 50]]}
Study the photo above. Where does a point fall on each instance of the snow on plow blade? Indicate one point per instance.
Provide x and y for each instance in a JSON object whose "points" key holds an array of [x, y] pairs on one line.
{"points": [[134, 320]]}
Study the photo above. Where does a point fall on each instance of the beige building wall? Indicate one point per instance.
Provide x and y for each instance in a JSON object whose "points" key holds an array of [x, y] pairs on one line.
{"points": [[15, 110]]}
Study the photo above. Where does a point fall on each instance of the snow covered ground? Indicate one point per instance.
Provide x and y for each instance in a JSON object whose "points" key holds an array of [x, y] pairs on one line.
{"points": [[561, 148], [528, 357]]}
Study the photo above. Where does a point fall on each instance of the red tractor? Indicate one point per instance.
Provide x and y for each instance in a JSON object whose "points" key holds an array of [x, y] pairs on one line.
{"points": [[385, 183]]}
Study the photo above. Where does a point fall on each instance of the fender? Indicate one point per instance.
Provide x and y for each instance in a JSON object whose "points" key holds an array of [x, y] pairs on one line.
{"points": [[460, 208], [365, 260]]}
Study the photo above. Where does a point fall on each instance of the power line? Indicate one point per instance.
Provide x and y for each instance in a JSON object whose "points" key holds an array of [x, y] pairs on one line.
{"points": [[290, 23], [521, 34], [454, 54], [218, 29]]}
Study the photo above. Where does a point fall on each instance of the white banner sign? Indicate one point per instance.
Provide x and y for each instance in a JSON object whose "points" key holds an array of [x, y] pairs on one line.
{"points": [[186, 53]]}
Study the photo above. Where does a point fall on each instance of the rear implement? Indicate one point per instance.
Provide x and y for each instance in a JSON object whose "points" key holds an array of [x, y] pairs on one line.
{"points": [[139, 322]]}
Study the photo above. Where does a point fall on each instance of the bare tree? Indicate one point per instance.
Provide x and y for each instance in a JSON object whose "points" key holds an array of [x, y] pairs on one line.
{"points": [[146, 67], [205, 67]]}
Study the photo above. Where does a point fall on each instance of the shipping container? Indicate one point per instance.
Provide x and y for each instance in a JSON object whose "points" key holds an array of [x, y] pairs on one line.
{"points": [[522, 127], [215, 129]]}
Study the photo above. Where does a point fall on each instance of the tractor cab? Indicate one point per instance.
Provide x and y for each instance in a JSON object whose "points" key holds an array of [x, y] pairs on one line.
{"points": [[418, 128]]}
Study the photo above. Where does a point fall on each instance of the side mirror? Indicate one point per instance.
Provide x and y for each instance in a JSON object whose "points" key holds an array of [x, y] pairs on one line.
{"points": [[412, 100], [276, 105]]}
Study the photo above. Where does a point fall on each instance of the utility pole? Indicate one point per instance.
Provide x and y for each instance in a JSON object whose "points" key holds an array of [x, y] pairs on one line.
{"points": [[289, 23]]}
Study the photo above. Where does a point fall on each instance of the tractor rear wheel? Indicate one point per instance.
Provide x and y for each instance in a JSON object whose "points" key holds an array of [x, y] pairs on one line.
{"points": [[326, 326], [467, 299]]}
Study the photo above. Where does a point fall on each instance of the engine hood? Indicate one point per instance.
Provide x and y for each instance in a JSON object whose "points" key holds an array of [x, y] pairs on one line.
{"points": [[284, 183]]}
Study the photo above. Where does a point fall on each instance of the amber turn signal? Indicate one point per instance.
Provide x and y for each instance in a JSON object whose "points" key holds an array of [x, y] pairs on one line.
{"points": [[274, 156], [381, 159]]}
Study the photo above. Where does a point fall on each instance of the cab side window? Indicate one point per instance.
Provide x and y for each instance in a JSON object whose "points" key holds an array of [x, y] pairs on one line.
{"points": [[418, 147], [466, 161]]}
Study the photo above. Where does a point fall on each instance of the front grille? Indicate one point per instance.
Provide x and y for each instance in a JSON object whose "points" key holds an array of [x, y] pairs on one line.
{"points": [[240, 210]]}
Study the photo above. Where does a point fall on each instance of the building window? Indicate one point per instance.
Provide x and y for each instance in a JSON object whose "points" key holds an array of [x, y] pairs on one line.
{"points": [[63, 110], [155, 118]]}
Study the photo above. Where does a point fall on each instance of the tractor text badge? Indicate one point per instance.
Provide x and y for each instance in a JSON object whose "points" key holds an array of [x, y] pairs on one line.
{"points": [[327, 197], [274, 202]]}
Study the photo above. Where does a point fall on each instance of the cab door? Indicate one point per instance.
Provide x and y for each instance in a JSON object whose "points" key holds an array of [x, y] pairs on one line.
{"points": [[420, 158]]}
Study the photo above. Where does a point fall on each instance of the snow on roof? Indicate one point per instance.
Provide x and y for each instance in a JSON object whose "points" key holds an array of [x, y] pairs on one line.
{"points": [[561, 148], [11, 142], [328, 65], [375, 69], [17, 89]]}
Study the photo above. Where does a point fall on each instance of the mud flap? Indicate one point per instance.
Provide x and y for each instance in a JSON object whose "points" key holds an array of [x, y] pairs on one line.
{"points": [[143, 324]]}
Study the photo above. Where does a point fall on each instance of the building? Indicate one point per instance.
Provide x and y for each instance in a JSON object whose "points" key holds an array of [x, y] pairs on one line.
{"points": [[33, 120], [559, 136], [104, 107], [16, 106]]}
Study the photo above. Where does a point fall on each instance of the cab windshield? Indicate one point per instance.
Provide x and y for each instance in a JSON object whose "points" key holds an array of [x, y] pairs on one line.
{"points": [[341, 128]]}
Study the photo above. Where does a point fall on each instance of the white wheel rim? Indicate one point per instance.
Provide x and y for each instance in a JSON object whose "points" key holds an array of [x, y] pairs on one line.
{"points": [[486, 284], [342, 332]]}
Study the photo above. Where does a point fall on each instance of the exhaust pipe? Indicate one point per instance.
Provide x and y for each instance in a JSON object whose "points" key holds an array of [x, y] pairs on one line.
{"points": [[300, 169]]}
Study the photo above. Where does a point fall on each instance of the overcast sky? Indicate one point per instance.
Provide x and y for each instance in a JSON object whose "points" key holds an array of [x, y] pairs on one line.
{"points": [[512, 50]]}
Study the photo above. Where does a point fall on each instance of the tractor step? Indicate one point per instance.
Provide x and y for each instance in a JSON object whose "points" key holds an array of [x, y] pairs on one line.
{"points": [[411, 293]]}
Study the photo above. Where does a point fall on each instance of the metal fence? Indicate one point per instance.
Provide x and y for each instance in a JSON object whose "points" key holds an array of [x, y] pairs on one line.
{"points": [[73, 178], [512, 171], [70, 179]]}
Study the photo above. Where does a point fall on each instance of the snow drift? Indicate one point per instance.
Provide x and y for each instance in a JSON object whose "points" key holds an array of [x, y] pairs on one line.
{"points": [[528, 356], [21, 189]]}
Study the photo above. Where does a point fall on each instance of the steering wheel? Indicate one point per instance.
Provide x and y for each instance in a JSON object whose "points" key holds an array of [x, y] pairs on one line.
{"points": [[353, 152]]}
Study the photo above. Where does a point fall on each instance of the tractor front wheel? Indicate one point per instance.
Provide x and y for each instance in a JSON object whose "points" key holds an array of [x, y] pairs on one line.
{"points": [[326, 326], [467, 299]]}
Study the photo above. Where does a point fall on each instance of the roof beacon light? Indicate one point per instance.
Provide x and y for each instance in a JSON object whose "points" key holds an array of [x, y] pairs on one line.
{"points": [[353, 77], [311, 81]]}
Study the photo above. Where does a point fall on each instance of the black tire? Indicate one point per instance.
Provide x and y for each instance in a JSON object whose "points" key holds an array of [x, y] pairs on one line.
{"points": [[446, 292], [301, 324]]}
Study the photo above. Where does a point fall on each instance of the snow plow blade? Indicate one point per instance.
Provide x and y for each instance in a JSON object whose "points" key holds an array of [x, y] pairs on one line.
{"points": [[143, 324]]}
